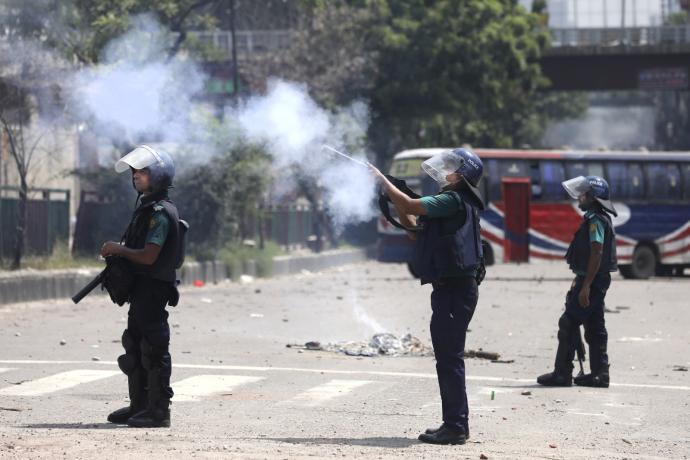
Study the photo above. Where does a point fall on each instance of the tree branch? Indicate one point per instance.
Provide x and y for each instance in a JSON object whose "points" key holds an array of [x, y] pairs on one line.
{"points": [[177, 25]]}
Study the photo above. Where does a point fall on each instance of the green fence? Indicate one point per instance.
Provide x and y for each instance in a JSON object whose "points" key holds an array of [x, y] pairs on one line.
{"points": [[47, 220]]}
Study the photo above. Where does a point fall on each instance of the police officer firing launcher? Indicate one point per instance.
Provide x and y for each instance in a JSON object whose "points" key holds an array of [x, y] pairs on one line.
{"points": [[153, 248], [592, 257], [448, 254]]}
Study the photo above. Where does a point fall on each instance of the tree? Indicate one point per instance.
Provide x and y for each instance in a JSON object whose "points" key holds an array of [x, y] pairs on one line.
{"points": [[332, 51], [457, 71], [80, 29], [13, 119]]}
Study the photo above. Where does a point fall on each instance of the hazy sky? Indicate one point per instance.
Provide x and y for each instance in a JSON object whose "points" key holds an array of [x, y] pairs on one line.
{"points": [[605, 13]]}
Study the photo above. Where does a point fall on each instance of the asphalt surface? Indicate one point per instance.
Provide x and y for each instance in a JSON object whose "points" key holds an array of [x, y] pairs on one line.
{"points": [[240, 393]]}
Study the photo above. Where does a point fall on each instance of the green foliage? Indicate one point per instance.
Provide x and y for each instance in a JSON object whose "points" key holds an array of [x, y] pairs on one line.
{"points": [[436, 72], [457, 71], [221, 197], [236, 255], [81, 29], [61, 258]]}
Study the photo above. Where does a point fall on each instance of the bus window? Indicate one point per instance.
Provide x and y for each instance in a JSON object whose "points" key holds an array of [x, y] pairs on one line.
{"points": [[634, 184], [626, 180], [663, 181], [535, 178], [685, 169], [498, 169], [617, 177], [552, 176], [582, 168]]}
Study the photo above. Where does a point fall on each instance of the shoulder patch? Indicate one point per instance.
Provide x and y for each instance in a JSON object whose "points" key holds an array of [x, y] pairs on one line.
{"points": [[158, 207]]}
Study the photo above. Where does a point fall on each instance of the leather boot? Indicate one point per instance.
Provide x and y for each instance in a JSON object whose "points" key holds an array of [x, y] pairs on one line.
{"points": [[436, 430], [157, 412], [555, 379], [137, 398], [445, 435], [600, 379]]}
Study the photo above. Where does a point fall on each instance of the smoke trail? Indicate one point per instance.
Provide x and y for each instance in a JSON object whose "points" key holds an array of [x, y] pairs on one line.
{"points": [[294, 128]]}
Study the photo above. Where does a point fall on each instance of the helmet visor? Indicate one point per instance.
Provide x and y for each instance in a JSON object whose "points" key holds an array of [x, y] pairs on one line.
{"points": [[577, 187], [139, 158], [441, 165]]}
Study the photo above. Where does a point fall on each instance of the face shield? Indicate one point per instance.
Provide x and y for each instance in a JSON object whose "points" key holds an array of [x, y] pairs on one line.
{"points": [[441, 165], [577, 187], [139, 158]]}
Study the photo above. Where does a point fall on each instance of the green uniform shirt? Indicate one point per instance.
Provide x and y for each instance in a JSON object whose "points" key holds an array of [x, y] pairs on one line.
{"points": [[158, 227], [443, 206], [597, 230]]}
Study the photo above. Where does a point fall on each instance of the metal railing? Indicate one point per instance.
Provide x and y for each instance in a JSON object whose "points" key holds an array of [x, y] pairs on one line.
{"points": [[248, 41], [628, 36]]}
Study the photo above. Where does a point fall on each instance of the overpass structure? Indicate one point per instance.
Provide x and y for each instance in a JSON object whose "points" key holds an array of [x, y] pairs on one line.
{"points": [[642, 58], [584, 59]]}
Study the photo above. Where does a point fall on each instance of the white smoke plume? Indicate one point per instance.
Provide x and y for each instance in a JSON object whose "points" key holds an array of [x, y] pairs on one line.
{"points": [[137, 91], [138, 94], [294, 129]]}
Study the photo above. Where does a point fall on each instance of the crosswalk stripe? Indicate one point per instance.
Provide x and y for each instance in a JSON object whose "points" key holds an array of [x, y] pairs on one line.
{"points": [[199, 386], [327, 391], [56, 382]]}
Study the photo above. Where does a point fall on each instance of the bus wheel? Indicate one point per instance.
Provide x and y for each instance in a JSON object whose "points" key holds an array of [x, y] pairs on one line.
{"points": [[643, 263], [412, 271]]}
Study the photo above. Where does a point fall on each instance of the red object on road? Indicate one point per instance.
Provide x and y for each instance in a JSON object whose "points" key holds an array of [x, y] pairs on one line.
{"points": [[516, 197], [199, 283]]}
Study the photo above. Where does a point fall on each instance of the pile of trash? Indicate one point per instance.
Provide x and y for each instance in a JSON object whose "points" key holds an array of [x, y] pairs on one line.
{"points": [[380, 345], [391, 345]]}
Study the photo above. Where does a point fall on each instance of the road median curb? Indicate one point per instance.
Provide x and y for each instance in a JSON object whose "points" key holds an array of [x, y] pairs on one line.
{"points": [[32, 285]]}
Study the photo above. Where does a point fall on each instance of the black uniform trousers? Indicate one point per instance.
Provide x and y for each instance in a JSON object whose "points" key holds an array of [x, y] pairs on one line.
{"points": [[592, 318], [147, 325], [453, 302]]}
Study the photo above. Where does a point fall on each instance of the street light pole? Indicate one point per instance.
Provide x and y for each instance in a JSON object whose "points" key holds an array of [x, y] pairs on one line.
{"points": [[233, 36]]}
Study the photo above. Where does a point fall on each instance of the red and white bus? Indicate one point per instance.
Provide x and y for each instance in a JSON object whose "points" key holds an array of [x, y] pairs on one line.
{"points": [[650, 190]]}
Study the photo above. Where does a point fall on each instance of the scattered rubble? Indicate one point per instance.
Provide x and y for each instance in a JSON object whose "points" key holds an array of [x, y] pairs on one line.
{"points": [[386, 344], [680, 368]]}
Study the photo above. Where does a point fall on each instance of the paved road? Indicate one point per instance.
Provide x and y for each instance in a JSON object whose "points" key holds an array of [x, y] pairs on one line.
{"points": [[240, 393]]}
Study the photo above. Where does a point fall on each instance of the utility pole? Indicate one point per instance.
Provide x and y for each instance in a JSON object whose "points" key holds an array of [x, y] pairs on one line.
{"points": [[233, 36], [575, 13], [622, 14], [606, 15]]}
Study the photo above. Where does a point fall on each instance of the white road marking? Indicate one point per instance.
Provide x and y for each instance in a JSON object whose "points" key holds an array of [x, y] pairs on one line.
{"points": [[327, 391], [5, 369], [478, 378], [56, 382], [200, 386]]}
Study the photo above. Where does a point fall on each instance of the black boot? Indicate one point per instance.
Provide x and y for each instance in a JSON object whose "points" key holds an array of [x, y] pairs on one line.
{"points": [[599, 379], [157, 412], [137, 398], [436, 430], [562, 376], [555, 379], [444, 435]]}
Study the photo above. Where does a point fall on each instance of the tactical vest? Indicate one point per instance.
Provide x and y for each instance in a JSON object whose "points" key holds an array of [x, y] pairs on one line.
{"points": [[135, 238], [578, 252], [437, 250]]}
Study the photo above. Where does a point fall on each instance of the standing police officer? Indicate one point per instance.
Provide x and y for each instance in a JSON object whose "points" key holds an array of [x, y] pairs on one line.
{"points": [[152, 246], [592, 257], [448, 254]]}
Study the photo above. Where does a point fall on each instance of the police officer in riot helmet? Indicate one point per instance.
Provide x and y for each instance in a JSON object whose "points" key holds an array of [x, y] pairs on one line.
{"points": [[592, 258], [448, 254], [151, 246]]}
